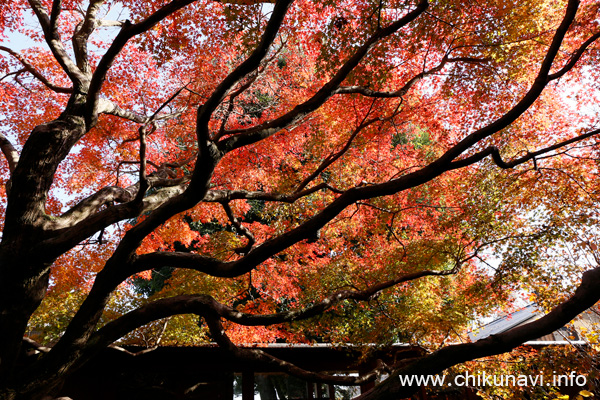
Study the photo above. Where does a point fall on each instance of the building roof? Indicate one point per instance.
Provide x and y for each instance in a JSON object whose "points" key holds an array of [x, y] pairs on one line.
{"points": [[529, 313]]}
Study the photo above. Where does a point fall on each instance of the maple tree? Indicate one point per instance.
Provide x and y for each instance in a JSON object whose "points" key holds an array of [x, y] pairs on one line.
{"points": [[300, 171]]}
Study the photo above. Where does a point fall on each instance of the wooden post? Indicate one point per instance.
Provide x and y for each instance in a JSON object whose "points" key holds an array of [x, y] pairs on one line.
{"points": [[247, 385], [362, 370], [319, 391], [310, 390], [226, 386]]}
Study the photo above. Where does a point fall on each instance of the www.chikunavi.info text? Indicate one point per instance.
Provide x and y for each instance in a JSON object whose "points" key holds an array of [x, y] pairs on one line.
{"points": [[484, 379]]}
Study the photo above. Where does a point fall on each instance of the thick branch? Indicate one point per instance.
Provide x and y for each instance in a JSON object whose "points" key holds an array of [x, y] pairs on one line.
{"points": [[85, 219], [320, 307], [207, 307], [9, 151], [108, 107], [92, 204], [247, 67], [82, 34], [219, 196], [241, 89], [144, 184], [574, 57], [105, 106]]}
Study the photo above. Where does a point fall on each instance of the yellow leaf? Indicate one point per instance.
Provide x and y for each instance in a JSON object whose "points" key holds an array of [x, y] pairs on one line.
{"points": [[585, 393]]}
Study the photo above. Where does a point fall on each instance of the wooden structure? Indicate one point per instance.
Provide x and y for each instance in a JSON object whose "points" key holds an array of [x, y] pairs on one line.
{"points": [[208, 372]]}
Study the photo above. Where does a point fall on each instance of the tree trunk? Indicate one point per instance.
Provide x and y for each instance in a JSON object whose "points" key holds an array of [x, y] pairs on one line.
{"points": [[24, 273]]}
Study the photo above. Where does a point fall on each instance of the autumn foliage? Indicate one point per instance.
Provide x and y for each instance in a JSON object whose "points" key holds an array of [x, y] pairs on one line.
{"points": [[366, 172]]}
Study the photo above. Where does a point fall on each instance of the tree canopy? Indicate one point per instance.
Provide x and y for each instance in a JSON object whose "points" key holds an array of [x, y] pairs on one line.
{"points": [[306, 171]]}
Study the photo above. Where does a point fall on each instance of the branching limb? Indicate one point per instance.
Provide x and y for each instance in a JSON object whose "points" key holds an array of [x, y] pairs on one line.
{"points": [[144, 184], [92, 204], [169, 201], [48, 24], [208, 154], [271, 247], [231, 104], [181, 305], [148, 349], [245, 86], [33, 71], [574, 57], [201, 304], [334, 157], [541, 81], [108, 195], [248, 66], [108, 107], [85, 219], [319, 308]]}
